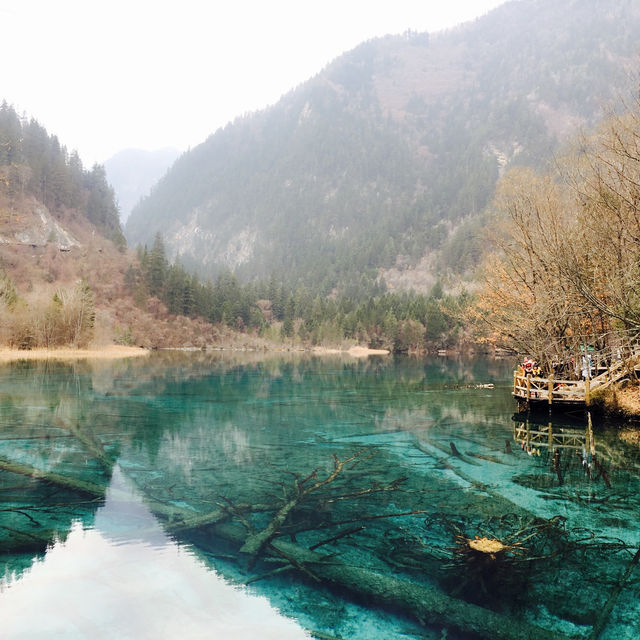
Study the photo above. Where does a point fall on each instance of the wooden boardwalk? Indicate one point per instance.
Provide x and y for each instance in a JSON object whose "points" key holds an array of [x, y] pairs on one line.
{"points": [[547, 437], [554, 393], [560, 443]]}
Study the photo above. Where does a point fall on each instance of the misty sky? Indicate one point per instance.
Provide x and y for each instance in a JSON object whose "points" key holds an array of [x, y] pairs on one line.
{"points": [[104, 76]]}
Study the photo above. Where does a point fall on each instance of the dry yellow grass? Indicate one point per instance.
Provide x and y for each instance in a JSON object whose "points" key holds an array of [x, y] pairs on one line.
{"points": [[630, 436], [361, 352], [99, 353], [629, 400], [356, 352]]}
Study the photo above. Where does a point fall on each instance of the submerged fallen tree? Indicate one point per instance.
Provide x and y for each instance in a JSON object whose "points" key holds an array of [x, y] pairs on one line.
{"points": [[426, 604], [303, 488], [65, 482]]}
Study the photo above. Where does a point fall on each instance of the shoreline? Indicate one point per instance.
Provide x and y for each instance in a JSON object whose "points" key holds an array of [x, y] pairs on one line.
{"points": [[113, 352], [110, 352], [356, 352]]}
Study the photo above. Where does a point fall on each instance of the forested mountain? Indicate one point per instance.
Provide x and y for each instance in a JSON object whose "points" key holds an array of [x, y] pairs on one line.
{"points": [[34, 163], [132, 173], [392, 152], [66, 277], [63, 256]]}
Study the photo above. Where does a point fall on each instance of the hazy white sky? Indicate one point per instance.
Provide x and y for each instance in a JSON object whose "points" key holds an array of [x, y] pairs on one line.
{"points": [[108, 75]]}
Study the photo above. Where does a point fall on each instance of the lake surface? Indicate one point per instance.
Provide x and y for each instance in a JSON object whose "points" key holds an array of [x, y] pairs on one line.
{"points": [[210, 496]]}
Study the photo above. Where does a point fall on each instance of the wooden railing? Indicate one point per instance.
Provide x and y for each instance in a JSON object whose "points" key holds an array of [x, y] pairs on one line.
{"points": [[552, 390], [617, 371], [547, 437], [528, 388]]}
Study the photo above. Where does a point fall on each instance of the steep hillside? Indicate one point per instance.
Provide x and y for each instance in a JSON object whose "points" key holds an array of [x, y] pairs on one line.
{"points": [[386, 159], [132, 173], [33, 164], [66, 277], [63, 258]]}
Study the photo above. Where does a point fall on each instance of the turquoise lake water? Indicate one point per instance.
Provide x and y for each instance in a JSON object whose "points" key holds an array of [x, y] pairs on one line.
{"points": [[132, 493]]}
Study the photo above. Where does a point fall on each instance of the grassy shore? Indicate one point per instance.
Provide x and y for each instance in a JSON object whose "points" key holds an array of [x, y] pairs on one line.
{"points": [[108, 352], [356, 352], [111, 352]]}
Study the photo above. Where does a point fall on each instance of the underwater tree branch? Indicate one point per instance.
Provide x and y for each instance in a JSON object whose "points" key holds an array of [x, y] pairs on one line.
{"points": [[256, 542]]}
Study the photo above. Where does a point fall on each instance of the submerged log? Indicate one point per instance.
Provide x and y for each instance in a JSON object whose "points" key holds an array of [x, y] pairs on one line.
{"points": [[483, 456], [424, 603], [605, 614], [338, 536], [452, 450], [65, 482], [92, 444], [182, 520], [255, 542]]}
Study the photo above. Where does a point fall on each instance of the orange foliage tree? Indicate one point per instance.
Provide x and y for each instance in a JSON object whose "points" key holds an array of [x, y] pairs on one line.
{"points": [[563, 267]]}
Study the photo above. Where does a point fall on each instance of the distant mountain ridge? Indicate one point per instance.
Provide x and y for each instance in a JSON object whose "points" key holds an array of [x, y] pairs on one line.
{"points": [[388, 157], [132, 173]]}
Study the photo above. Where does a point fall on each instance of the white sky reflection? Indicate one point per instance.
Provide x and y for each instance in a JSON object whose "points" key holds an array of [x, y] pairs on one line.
{"points": [[126, 579]]}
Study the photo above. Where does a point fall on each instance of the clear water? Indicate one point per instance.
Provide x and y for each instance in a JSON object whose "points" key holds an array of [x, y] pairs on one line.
{"points": [[154, 473]]}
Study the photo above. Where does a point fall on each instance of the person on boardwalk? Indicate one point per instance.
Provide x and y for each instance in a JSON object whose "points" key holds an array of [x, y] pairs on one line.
{"points": [[527, 365]]}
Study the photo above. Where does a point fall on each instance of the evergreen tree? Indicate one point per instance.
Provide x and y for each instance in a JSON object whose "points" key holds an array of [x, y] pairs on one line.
{"points": [[33, 162], [101, 206], [288, 318], [8, 293], [10, 136], [156, 267]]}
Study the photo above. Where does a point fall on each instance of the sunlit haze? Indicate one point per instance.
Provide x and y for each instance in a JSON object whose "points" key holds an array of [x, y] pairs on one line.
{"points": [[109, 76]]}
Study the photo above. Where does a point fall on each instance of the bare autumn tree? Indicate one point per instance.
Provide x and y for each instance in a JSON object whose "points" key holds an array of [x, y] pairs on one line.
{"points": [[77, 315], [526, 301], [564, 268], [67, 318], [603, 263]]}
